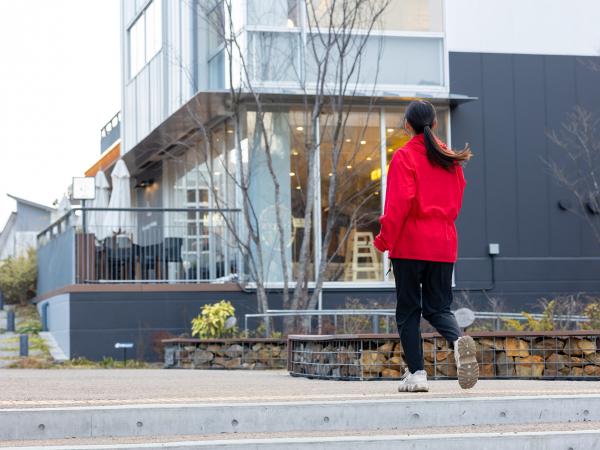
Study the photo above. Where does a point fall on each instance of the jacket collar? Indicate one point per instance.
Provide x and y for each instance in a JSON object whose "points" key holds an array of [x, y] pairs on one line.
{"points": [[417, 142]]}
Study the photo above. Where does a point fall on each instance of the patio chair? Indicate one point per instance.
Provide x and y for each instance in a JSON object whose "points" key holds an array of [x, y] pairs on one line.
{"points": [[120, 257]]}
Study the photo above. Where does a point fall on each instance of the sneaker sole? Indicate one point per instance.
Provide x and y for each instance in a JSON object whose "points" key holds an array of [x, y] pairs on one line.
{"points": [[468, 370], [413, 388]]}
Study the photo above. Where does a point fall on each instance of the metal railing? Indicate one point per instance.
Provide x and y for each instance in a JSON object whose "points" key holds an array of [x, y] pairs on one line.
{"points": [[378, 320], [147, 245], [110, 132]]}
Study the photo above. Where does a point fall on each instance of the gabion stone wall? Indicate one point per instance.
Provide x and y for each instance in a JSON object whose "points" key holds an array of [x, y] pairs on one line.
{"points": [[544, 355], [225, 353]]}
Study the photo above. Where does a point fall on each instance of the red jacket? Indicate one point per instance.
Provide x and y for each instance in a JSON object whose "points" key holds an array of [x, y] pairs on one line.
{"points": [[421, 204]]}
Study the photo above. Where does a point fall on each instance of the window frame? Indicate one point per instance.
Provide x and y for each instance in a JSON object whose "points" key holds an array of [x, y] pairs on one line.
{"points": [[141, 16]]}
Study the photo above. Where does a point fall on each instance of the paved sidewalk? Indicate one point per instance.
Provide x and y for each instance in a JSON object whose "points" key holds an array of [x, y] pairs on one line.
{"points": [[80, 387]]}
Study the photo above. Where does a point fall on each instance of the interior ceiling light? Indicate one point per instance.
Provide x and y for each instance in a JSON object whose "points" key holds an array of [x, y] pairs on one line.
{"points": [[230, 131], [292, 174], [390, 130], [330, 174], [363, 142], [300, 128], [348, 140], [390, 150], [294, 152], [298, 187], [369, 158], [348, 166]]}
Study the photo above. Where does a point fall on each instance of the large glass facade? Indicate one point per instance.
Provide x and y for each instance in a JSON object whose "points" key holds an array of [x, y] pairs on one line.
{"points": [[350, 194], [355, 157]]}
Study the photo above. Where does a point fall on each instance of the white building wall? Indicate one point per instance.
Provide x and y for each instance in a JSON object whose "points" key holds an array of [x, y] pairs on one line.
{"points": [[546, 27], [166, 82]]}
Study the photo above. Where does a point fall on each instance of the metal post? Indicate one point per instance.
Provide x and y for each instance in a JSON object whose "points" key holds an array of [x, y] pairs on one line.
{"points": [[1, 301], [10, 321], [84, 226], [44, 316], [375, 320], [24, 345]]}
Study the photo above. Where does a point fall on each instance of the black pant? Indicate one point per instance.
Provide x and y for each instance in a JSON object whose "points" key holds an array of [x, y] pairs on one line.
{"points": [[423, 287]]}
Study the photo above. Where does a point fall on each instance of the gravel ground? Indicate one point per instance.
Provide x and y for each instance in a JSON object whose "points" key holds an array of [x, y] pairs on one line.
{"points": [[80, 387], [509, 429]]}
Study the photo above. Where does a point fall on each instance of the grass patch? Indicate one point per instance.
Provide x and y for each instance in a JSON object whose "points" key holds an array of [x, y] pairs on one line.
{"points": [[31, 363], [106, 363]]}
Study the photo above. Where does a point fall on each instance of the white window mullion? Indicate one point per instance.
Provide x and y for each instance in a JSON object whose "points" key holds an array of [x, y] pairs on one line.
{"points": [[317, 205], [383, 179]]}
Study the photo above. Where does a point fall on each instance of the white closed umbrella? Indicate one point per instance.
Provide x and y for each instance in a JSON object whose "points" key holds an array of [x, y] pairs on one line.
{"points": [[95, 219], [120, 222], [64, 206]]}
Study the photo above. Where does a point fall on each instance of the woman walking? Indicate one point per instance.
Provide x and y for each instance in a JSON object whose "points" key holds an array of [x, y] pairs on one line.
{"points": [[425, 185]]}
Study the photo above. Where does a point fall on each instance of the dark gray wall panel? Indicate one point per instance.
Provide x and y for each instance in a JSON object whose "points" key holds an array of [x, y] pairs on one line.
{"points": [[530, 145], [472, 243], [565, 229], [511, 196], [499, 148]]}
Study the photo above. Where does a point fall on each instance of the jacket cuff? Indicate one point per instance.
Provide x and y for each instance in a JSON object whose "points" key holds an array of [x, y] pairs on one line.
{"points": [[379, 244]]}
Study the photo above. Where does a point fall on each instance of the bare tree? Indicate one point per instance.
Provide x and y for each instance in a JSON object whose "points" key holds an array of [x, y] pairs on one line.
{"points": [[328, 81], [578, 137]]}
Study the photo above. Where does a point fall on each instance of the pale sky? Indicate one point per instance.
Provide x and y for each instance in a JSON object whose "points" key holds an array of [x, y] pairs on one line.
{"points": [[59, 84]]}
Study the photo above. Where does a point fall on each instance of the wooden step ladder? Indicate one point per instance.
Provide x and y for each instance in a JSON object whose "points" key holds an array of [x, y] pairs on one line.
{"points": [[365, 263]]}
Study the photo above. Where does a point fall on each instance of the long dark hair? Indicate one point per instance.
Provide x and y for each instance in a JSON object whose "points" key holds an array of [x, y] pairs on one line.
{"points": [[420, 114]]}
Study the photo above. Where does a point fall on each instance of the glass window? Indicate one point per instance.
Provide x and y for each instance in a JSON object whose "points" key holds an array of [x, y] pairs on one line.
{"points": [[274, 13], [216, 27], [145, 37], [153, 30], [199, 179], [390, 60], [216, 71], [300, 131], [387, 60], [414, 15], [353, 213], [136, 46], [342, 14], [274, 56]]}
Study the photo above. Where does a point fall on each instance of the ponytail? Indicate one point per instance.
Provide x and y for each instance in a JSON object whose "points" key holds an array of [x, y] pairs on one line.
{"points": [[421, 117], [438, 154]]}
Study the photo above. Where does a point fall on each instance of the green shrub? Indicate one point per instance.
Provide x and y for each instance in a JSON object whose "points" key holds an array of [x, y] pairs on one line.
{"points": [[18, 277], [212, 322], [545, 323], [593, 312]]}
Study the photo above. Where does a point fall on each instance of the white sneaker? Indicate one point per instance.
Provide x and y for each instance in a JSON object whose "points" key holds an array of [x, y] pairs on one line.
{"points": [[414, 382], [466, 362]]}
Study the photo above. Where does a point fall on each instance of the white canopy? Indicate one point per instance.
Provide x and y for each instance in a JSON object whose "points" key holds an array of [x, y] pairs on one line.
{"points": [[95, 219], [120, 222]]}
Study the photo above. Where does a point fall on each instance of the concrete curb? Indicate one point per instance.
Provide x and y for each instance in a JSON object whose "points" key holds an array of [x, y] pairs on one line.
{"points": [[556, 440], [174, 420]]}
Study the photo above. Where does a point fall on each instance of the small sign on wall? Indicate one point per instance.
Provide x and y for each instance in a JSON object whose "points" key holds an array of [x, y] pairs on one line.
{"points": [[84, 188]]}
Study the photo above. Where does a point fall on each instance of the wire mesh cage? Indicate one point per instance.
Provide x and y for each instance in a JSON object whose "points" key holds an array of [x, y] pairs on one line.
{"points": [[225, 353], [543, 355]]}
